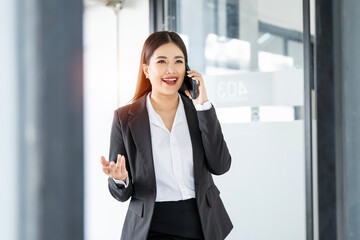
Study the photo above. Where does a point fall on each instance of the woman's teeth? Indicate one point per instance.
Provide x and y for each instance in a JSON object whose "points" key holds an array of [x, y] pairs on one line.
{"points": [[170, 80]]}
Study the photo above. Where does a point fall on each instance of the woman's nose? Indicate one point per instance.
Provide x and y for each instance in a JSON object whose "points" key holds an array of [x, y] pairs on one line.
{"points": [[170, 68]]}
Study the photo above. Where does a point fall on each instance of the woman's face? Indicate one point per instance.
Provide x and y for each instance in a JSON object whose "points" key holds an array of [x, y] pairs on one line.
{"points": [[166, 69]]}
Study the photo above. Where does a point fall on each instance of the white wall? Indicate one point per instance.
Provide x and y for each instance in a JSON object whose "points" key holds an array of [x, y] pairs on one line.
{"points": [[134, 29], [104, 215]]}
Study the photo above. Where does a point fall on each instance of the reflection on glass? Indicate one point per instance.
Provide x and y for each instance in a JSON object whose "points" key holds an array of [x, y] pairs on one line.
{"points": [[250, 53]]}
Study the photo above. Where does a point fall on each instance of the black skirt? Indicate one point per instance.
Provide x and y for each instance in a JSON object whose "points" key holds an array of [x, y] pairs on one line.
{"points": [[176, 220]]}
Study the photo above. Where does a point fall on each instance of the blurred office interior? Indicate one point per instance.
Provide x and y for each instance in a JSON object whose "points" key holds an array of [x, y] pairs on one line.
{"points": [[283, 76]]}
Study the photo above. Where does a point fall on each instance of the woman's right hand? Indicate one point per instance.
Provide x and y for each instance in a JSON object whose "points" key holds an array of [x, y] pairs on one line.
{"points": [[115, 170]]}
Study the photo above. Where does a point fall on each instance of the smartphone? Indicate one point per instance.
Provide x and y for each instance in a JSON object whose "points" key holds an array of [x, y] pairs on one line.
{"points": [[189, 84]]}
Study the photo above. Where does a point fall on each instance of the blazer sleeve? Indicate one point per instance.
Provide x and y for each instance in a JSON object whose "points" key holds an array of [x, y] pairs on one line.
{"points": [[218, 158], [117, 146]]}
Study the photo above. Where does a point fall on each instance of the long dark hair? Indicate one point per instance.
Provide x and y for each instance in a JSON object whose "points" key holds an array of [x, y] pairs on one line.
{"points": [[155, 40]]}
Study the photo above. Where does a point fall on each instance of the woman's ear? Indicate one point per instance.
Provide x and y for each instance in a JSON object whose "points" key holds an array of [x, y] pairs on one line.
{"points": [[146, 70]]}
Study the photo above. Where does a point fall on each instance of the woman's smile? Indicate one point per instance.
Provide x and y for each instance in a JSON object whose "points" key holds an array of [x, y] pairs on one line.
{"points": [[170, 81]]}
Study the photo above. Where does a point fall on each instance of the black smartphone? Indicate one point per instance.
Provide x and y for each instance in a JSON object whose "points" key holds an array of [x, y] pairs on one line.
{"points": [[189, 84]]}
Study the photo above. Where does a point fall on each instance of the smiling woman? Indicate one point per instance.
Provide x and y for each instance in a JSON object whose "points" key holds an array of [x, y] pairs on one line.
{"points": [[166, 70], [164, 147], [153, 43]]}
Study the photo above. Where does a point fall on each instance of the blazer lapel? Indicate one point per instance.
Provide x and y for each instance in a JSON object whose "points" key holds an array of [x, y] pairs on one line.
{"points": [[140, 130], [195, 136]]}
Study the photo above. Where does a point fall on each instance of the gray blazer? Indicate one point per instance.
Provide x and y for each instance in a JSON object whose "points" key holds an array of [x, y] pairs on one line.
{"points": [[130, 136]]}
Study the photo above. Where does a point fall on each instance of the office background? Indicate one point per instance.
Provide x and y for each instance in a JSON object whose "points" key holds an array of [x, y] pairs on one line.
{"points": [[281, 74]]}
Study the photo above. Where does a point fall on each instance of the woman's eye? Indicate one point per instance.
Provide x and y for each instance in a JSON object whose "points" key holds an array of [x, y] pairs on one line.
{"points": [[161, 61], [179, 61]]}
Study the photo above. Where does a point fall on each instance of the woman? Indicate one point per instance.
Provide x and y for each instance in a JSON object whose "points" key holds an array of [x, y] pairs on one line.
{"points": [[164, 147]]}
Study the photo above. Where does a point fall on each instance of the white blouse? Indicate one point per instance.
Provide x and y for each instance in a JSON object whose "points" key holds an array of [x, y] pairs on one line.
{"points": [[172, 154]]}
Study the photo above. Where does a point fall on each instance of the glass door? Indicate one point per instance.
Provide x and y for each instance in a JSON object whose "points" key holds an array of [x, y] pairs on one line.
{"points": [[250, 53]]}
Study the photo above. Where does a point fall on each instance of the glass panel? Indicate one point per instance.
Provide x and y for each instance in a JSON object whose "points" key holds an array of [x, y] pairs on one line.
{"points": [[250, 53], [270, 43], [350, 118]]}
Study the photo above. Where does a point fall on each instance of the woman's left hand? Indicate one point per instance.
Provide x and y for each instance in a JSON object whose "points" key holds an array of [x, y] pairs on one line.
{"points": [[202, 97]]}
